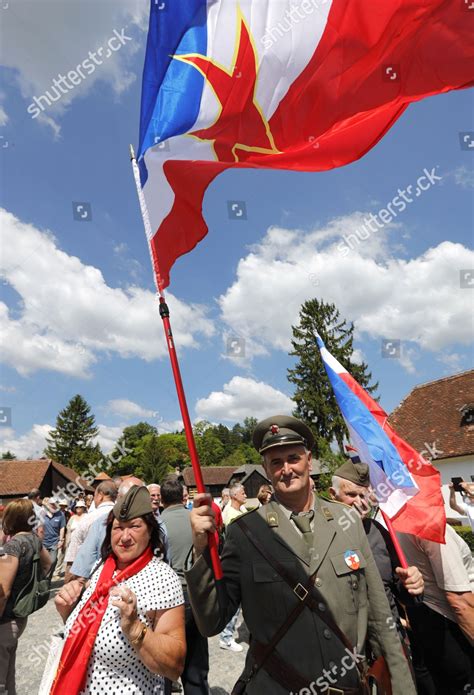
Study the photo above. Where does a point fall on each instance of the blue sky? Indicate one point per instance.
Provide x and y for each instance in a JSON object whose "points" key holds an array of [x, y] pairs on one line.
{"points": [[77, 304]]}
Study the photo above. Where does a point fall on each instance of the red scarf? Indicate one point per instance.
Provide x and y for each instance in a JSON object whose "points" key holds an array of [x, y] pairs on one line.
{"points": [[77, 649]]}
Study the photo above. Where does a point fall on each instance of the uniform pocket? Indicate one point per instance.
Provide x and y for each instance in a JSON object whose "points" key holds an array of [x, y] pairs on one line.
{"points": [[352, 581], [271, 594]]}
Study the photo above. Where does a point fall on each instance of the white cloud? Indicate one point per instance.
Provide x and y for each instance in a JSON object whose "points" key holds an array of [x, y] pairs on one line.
{"points": [[68, 314], [453, 362], [357, 356], [107, 437], [28, 445], [43, 39], [121, 407], [418, 300], [243, 397], [3, 116], [169, 426]]}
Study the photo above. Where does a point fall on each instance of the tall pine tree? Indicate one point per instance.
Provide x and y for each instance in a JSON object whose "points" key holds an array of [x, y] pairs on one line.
{"points": [[70, 442], [314, 398]]}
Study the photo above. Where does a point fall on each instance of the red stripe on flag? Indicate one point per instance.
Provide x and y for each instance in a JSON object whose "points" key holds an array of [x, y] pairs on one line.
{"points": [[424, 514], [184, 226]]}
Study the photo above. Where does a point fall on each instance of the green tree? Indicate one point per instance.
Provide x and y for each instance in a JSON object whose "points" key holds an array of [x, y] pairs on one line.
{"points": [[245, 432], [242, 455], [314, 398], [210, 448], [161, 454], [329, 460], [70, 442], [8, 456], [129, 442]]}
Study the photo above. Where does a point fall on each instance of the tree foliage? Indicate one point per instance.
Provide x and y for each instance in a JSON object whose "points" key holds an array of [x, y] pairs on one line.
{"points": [[8, 456], [314, 398], [71, 441], [150, 455]]}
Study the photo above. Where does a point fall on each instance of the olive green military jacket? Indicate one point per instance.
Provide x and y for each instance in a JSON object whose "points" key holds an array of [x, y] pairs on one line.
{"points": [[355, 597]]}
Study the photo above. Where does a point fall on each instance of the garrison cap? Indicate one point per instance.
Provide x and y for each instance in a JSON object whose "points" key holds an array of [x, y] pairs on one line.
{"points": [[136, 502], [357, 473], [281, 430]]}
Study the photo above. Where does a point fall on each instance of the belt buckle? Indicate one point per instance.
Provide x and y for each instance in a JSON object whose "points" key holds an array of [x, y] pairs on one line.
{"points": [[335, 691], [300, 591]]}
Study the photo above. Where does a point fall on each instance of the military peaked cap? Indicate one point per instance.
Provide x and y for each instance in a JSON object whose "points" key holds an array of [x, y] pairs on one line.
{"points": [[281, 430], [136, 502], [357, 473]]}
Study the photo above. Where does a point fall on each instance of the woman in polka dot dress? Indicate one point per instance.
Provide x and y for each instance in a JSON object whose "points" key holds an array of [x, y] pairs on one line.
{"points": [[125, 633]]}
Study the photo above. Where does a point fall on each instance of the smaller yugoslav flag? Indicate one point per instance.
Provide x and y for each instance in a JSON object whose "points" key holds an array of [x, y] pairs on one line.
{"points": [[408, 487]]}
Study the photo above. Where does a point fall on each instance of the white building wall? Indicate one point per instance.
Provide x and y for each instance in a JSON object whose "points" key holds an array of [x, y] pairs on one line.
{"points": [[460, 466]]}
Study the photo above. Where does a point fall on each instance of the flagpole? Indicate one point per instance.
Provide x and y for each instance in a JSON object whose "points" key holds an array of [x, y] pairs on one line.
{"points": [[165, 315], [395, 541]]}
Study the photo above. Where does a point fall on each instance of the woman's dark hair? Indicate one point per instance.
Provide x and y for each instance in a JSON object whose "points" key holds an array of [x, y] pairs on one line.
{"points": [[156, 537]]}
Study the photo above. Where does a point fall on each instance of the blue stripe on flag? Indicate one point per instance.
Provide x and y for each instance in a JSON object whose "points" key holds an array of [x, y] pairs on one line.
{"points": [[381, 449], [171, 91]]}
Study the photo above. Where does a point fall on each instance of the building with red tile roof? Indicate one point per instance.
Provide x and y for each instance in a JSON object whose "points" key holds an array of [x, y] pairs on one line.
{"points": [[18, 477], [437, 419]]}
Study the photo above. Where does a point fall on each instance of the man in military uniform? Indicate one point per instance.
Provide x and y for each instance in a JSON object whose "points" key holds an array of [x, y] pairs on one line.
{"points": [[268, 559], [350, 485]]}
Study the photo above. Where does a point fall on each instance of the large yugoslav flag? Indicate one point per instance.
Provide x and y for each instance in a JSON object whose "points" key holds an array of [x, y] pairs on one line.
{"points": [[307, 85], [407, 486]]}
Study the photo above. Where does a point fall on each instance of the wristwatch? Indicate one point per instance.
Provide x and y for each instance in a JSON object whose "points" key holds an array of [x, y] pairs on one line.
{"points": [[141, 635]]}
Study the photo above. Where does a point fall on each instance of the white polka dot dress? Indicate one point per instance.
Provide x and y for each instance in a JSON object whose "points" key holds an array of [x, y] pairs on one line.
{"points": [[114, 666]]}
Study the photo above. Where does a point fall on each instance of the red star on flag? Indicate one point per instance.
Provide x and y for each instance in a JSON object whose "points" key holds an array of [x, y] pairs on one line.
{"points": [[241, 126]]}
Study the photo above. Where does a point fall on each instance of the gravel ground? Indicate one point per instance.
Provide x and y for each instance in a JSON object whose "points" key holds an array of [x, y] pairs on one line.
{"points": [[224, 667]]}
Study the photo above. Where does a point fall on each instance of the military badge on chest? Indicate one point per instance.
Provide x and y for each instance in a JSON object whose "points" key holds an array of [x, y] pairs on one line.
{"points": [[352, 559]]}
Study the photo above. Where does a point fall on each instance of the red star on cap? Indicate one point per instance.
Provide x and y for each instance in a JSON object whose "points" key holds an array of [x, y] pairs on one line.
{"points": [[274, 429]]}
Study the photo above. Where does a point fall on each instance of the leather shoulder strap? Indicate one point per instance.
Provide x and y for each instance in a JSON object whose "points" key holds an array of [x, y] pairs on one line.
{"points": [[308, 595]]}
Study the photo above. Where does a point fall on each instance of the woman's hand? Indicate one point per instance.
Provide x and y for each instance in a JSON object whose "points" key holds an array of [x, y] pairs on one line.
{"points": [[68, 596], [125, 600]]}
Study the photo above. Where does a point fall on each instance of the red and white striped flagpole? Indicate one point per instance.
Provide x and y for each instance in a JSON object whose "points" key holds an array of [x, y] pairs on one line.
{"points": [[165, 315]]}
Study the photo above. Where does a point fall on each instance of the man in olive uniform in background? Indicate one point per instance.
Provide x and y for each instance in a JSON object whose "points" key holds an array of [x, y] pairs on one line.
{"points": [[350, 485], [305, 538]]}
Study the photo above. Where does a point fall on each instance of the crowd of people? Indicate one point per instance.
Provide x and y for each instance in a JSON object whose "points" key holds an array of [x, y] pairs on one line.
{"points": [[328, 604]]}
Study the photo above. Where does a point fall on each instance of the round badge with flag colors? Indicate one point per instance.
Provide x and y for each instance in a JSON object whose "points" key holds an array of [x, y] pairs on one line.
{"points": [[352, 559]]}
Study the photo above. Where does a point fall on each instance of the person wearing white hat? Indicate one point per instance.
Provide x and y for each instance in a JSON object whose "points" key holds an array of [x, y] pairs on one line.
{"points": [[80, 509]]}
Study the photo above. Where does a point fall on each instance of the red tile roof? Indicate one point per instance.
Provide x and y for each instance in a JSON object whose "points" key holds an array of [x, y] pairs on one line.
{"points": [[433, 414], [212, 475], [18, 477]]}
